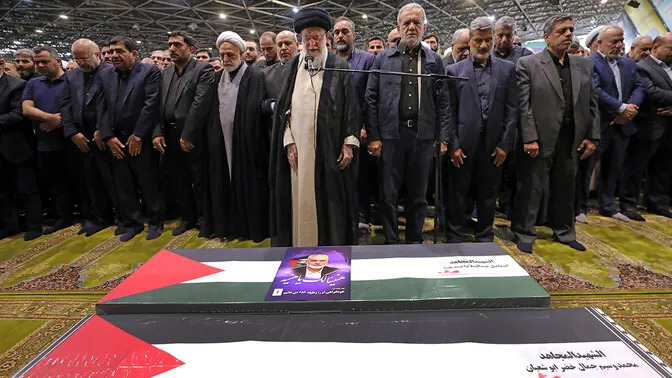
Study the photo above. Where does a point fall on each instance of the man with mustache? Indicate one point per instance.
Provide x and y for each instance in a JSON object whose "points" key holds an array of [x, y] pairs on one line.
{"points": [[288, 48], [80, 102], [482, 134], [126, 122], [345, 35], [402, 121], [620, 91], [459, 47], [560, 124], [187, 88], [315, 130], [236, 188]]}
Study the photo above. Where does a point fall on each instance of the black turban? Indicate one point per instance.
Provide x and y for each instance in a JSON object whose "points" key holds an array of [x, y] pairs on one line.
{"points": [[312, 17]]}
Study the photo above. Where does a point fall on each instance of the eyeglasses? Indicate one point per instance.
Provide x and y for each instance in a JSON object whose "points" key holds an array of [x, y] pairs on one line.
{"points": [[315, 37]]}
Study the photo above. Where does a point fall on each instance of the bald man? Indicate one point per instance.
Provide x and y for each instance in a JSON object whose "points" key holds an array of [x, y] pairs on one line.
{"points": [[82, 95], [459, 47], [393, 37], [620, 92], [287, 48], [267, 44], [640, 48], [649, 147]]}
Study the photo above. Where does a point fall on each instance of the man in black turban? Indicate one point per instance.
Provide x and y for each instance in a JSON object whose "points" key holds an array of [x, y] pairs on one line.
{"points": [[313, 176]]}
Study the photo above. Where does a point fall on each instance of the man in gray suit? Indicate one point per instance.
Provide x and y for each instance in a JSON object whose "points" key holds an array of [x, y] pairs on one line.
{"points": [[560, 120], [187, 88], [485, 115]]}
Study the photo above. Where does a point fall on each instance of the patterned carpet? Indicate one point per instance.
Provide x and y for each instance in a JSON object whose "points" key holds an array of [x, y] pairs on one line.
{"points": [[50, 283]]}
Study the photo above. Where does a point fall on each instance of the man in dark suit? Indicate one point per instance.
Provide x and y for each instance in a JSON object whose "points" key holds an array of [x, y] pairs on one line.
{"points": [[482, 134], [649, 147], [559, 120], [17, 162], [316, 268], [288, 47], [459, 47], [187, 88], [345, 35], [129, 114], [401, 125], [505, 31], [620, 92], [80, 102]]}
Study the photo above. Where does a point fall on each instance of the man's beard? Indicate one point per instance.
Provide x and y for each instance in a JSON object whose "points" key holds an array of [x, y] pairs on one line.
{"points": [[342, 46], [233, 68], [320, 56]]}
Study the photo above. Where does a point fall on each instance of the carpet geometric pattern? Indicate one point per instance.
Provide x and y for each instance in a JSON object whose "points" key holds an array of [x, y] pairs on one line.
{"points": [[50, 283]]}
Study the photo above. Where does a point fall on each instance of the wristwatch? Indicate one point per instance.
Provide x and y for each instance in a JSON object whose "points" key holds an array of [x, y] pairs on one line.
{"points": [[137, 138]]}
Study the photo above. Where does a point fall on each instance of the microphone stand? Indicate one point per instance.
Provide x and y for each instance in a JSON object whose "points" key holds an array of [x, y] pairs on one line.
{"points": [[438, 81]]}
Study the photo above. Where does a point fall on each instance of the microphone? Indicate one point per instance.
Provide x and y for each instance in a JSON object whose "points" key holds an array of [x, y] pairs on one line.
{"points": [[309, 63]]}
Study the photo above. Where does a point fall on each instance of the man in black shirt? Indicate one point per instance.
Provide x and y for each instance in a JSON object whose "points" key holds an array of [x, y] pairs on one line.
{"points": [[130, 112], [560, 124], [82, 95], [402, 121], [187, 90]]}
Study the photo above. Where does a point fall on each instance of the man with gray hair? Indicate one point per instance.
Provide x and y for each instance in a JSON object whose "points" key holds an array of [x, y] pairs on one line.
{"points": [[482, 133], [288, 47], [41, 102], [80, 103], [25, 64], [236, 189], [315, 138], [505, 31], [560, 124], [402, 123], [620, 91], [640, 48], [459, 47]]}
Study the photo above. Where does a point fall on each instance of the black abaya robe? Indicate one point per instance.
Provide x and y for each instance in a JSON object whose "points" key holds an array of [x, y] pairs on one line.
{"points": [[238, 208], [335, 189]]}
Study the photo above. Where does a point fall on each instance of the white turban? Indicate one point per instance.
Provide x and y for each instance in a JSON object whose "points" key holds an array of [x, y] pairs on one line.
{"points": [[231, 37], [590, 38]]}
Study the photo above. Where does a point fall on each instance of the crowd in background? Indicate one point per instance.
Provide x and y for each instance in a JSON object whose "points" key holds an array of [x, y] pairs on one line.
{"points": [[114, 139]]}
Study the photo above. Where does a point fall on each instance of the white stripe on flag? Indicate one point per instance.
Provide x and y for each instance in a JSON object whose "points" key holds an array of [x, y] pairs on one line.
{"points": [[611, 359], [379, 269]]}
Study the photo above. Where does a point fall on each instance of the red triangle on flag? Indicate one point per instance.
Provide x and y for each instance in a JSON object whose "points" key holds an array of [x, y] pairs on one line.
{"points": [[164, 269], [100, 349]]}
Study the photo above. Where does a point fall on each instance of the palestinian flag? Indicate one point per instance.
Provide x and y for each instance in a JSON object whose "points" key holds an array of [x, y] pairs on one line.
{"points": [[527, 343], [404, 277]]}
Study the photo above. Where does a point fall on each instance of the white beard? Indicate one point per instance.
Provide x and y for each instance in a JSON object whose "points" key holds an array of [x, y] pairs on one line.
{"points": [[318, 59], [231, 69]]}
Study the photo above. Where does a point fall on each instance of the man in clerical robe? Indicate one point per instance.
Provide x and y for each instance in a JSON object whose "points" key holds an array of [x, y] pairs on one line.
{"points": [[313, 177], [236, 190]]}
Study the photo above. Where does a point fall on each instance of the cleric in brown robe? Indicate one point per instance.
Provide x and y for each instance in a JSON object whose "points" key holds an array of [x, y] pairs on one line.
{"points": [[236, 189], [313, 176]]}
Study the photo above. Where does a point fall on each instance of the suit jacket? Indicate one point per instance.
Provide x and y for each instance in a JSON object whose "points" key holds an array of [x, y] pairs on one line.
{"points": [[193, 102], [502, 117], [140, 107], [301, 271], [658, 90], [360, 60], [383, 92], [17, 141], [72, 99], [542, 101], [632, 89], [273, 81], [448, 60]]}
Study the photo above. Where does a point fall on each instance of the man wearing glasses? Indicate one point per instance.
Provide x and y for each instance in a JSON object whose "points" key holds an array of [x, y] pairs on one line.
{"points": [[80, 101], [315, 129]]}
